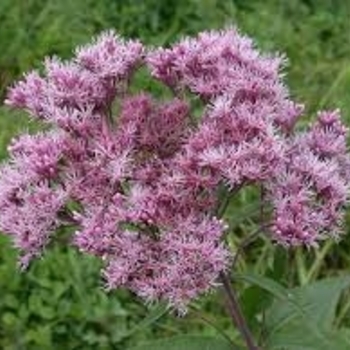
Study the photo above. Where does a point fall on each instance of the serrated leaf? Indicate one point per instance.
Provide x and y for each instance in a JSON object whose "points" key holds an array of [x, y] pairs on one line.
{"points": [[318, 300], [288, 329], [188, 343]]}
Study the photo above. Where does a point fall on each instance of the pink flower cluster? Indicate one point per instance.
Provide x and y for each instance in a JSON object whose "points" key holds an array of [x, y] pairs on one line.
{"points": [[138, 178], [309, 191]]}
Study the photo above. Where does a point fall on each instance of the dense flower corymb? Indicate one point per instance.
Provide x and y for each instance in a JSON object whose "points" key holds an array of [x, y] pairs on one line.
{"points": [[143, 174]]}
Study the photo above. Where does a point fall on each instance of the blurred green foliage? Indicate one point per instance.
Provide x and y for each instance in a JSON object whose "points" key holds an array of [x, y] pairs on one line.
{"points": [[60, 302]]}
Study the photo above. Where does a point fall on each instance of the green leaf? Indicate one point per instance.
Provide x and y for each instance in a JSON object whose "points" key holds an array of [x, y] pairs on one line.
{"points": [[302, 336], [317, 300], [267, 284], [345, 334], [152, 317], [189, 342], [254, 301], [311, 329]]}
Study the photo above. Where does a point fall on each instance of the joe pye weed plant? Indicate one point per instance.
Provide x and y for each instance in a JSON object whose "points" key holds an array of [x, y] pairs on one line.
{"points": [[144, 183]]}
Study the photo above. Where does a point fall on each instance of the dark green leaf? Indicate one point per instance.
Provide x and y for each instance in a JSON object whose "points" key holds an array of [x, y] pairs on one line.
{"points": [[267, 284], [254, 301]]}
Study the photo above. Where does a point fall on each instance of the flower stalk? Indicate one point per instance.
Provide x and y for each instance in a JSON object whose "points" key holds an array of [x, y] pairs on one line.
{"points": [[236, 313]]}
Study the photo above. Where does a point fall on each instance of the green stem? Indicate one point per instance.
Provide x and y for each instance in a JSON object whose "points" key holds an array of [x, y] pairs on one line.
{"points": [[342, 313], [302, 274], [319, 260], [249, 239]]}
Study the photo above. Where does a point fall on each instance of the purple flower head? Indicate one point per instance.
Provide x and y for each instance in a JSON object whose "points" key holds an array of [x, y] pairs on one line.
{"points": [[110, 57], [39, 154], [29, 94], [311, 189], [139, 177], [215, 62]]}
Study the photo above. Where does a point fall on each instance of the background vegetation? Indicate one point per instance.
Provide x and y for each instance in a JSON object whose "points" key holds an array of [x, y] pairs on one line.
{"points": [[60, 303]]}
